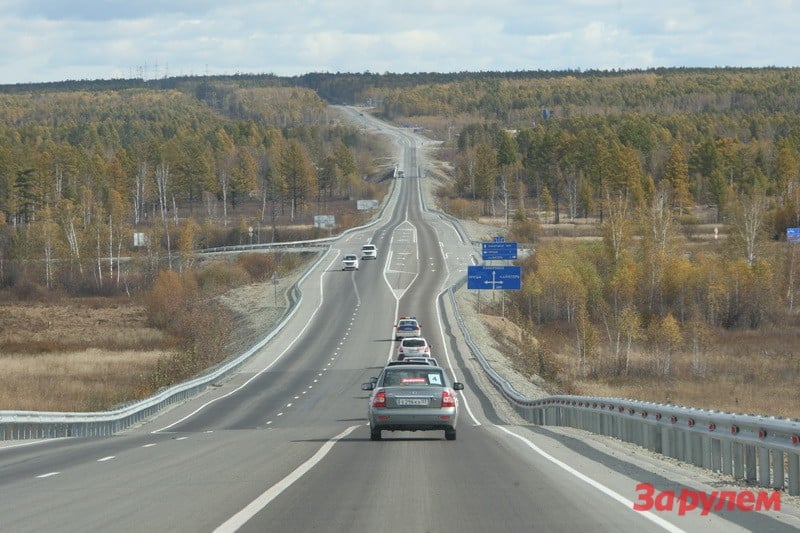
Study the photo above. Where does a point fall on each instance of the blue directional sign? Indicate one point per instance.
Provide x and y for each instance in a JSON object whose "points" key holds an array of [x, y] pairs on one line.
{"points": [[494, 277], [498, 250], [793, 234]]}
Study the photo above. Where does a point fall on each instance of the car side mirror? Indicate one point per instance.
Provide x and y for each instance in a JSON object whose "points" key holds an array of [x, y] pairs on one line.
{"points": [[373, 380], [458, 386], [367, 386]]}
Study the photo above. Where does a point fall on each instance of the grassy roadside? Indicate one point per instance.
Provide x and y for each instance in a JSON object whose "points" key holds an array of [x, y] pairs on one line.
{"points": [[90, 354]]}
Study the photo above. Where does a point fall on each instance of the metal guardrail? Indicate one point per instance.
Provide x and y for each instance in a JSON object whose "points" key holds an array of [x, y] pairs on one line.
{"points": [[756, 449], [20, 425]]}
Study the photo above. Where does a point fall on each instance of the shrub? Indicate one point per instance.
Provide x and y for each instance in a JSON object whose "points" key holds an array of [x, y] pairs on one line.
{"points": [[524, 231], [221, 275], [260, 266], [170, 293], [464, 209]]}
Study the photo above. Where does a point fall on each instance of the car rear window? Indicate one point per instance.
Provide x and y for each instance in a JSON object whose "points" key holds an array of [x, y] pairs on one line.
{"points": [[414, 343], [399, 376]]}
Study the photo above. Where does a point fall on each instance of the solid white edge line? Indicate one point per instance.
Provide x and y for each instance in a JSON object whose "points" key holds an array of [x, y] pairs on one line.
{"points": [[254, 507], [668, 526]]}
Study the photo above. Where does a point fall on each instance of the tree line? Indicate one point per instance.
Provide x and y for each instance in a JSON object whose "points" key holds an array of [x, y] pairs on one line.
{"points": [[81, 172]]}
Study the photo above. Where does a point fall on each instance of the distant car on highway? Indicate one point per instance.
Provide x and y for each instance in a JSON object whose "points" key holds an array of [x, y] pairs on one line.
{"points": [[407, 326], [413, 347], [412, 398], [414, 361], [369, 251], [350, 262]]}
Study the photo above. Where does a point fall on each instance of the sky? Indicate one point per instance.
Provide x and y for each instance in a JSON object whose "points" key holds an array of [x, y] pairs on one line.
{"points": [[58, 40]]}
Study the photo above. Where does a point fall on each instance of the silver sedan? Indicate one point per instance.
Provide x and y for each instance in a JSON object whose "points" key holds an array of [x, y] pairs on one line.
{"points": [[412, 398]]}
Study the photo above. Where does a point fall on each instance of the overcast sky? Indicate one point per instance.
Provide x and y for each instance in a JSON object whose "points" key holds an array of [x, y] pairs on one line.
{"points": [[55, 40]]}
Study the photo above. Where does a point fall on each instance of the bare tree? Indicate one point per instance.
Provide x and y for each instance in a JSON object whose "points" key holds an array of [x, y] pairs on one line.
{"points": [[139, 192], [162, 182], [748, 222], [224, 180]]}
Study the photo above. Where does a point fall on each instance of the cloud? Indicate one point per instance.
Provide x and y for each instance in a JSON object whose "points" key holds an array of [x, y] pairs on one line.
{"points": [[106, 10], [50, 40]]}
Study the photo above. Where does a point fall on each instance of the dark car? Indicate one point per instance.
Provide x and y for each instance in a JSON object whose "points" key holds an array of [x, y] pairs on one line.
{"points": [[412, 398]]}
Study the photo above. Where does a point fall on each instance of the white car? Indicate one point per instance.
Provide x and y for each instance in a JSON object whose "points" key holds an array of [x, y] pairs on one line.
{"points": [[413, 347], [369, 251], [350, 262]]}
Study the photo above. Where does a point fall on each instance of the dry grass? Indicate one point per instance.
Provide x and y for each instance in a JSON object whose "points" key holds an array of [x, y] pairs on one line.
{"points": [[91, 354], [76, 355], [752, 372], [75, 324], [88, 380]]}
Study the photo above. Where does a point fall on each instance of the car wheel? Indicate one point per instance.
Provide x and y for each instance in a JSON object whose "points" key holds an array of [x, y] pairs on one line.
{"points": [[374, 434], [450, 434]]}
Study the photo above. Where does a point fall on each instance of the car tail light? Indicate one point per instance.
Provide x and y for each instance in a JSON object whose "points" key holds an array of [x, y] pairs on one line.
{"points": [[448, 399], [379, 400]]}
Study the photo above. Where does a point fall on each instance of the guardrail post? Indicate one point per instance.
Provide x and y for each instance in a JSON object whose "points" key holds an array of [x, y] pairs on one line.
{"points": [[777, 469], [727, 457], [680, 448], [749, 462], [738, 460], [667, 444], [763, 466], [697, 448], [706, 453], [716, 455], [794, 474], [658, 439]]}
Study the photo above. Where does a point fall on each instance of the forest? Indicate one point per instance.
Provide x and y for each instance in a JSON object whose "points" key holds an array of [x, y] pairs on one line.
{"points": [[82, 172]]}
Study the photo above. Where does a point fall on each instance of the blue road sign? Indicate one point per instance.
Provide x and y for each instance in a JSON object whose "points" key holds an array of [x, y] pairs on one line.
{"points": [[499, 278], [793, 234], [498, 250]]}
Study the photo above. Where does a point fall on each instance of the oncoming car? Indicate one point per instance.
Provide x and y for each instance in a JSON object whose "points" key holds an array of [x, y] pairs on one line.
{"points": [[413, 347], [407, 326], [412, 398], [369, 251], [350, 262]]}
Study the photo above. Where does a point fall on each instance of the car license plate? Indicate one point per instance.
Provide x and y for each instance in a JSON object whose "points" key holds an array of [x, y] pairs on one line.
{"points": [[413, 401]]}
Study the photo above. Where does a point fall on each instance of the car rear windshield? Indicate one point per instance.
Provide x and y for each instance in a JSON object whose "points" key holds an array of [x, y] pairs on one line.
{"points": [[408, 323], [404, 377], [414, 343]]}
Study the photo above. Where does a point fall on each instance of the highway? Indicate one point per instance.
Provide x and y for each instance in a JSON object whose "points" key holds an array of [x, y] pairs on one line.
{"points": [[283, 445]]}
